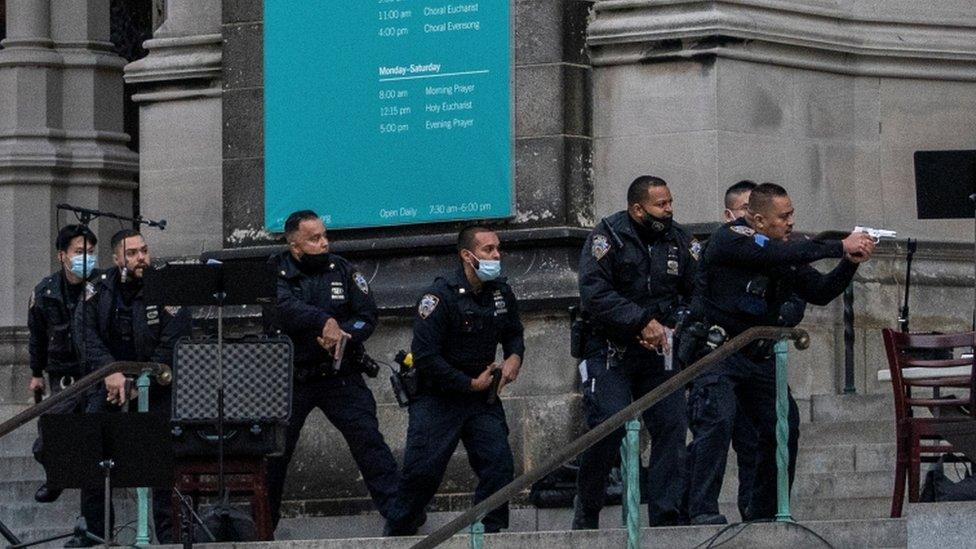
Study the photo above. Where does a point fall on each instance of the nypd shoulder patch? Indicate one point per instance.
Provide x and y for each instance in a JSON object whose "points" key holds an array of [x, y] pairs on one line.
{"points": [[742, 229], [600, 246], [427, 305], [695, 249], [31, 301], [361, 283]]}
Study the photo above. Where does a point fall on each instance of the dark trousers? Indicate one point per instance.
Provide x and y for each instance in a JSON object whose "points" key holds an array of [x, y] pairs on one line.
{"points": [[745, 442], [612, 385], [437, 424], [737, 384], [348, 403]]}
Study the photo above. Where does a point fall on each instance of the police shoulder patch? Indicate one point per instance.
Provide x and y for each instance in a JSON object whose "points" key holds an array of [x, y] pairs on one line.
{"points": [[600, 246], [31, 301], [742, 229], [695, 249], [427, 305], [361, 282]]}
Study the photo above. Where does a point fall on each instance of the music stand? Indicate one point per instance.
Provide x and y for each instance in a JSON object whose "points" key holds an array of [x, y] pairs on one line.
{"points": [[109, 450], [219, 284], [945, 188]]}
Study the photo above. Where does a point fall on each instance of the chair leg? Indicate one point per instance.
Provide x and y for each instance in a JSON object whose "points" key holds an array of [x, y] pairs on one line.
{"points": [[901, 466], [262, 511], [914, 471]]}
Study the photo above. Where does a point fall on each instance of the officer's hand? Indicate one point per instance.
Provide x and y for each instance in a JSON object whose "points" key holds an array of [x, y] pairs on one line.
{"points": [[510, 370], [861, 257], [36, 384], [115, 386], [858, 244], [653, 337], [483, 381], [331, 334]]}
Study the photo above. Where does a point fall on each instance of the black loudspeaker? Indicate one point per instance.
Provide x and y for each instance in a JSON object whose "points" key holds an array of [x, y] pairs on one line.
{"points": [[257, 396]]}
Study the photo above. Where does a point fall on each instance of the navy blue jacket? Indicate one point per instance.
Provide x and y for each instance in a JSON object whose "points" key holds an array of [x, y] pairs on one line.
{"points": [[456, 331], [624, 284], [155, 329], [746, 278], [50, 320], [307, 300]]}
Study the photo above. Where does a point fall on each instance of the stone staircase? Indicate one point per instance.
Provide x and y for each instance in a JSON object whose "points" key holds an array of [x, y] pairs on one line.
{"points": [[842, 491]]}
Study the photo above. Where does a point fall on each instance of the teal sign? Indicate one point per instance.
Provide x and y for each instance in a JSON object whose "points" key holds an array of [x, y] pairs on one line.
{"points": [[387, 112]]}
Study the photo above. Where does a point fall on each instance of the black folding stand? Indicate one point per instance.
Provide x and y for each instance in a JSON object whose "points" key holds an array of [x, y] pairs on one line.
{"points": [[214, 284], [109, 450]]}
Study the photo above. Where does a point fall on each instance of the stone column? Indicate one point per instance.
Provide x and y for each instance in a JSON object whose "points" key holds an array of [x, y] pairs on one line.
{"points": [[180, 127], [60, 135]]}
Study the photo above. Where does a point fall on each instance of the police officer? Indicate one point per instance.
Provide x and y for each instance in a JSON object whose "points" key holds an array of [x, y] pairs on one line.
{"points": [[636, 269], [326, 308], [461, 319], [120, 326], [748, 271], [50, 320]]}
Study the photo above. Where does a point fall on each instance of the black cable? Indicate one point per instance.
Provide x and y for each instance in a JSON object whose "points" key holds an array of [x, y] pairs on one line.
{"points": [[710, 543], [125, 526]]}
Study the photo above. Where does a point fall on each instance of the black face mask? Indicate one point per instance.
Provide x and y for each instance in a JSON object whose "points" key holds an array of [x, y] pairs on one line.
{"points": [[652, 226], [316, 262]]}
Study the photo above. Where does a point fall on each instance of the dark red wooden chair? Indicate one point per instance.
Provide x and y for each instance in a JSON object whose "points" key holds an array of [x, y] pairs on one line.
{"points": [[244, 476], [917, 438]]}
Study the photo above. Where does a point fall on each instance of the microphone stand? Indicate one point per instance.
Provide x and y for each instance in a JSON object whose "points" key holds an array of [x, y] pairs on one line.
{"points": [[903, 314], [972, 199]]}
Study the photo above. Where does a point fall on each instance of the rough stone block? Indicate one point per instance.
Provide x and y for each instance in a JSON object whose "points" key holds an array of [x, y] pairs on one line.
{"points": [[243, 125], [243, 55], [243, 199], [547, 32], [242, 11], [552, 99]]}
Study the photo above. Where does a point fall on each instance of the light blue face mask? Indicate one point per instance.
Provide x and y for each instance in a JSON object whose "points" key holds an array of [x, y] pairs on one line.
{"points": [[81, 268], [488, 269]]}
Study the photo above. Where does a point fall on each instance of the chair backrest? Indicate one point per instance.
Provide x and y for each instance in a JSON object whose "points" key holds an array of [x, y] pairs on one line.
{"points": [[912, 356]]}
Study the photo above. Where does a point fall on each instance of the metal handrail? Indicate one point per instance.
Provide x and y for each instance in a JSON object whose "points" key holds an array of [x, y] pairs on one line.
{"points": [[161, 372], [801, 340]]}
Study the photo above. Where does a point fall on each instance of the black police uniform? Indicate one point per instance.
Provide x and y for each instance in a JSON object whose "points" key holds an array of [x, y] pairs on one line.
{"points": [[119, 325], [50, 321], [455, 337], [625, 281], [307, 298], [746, 280]]}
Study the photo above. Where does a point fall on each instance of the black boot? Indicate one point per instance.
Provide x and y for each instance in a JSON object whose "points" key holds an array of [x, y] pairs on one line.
{"points": [[47, 493]]}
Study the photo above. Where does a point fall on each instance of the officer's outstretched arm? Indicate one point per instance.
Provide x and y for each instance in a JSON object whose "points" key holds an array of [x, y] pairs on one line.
{"points": [[430, 328], [821, 289], [756, 251], [174, 327], [598, 295], [294, 315], [37, 346], [364, 315]]}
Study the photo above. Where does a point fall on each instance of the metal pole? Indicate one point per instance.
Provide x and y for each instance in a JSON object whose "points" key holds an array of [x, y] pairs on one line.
{"points": [[142, 494], [849, 388], [477, 535], [782, 434], [630, 475]]}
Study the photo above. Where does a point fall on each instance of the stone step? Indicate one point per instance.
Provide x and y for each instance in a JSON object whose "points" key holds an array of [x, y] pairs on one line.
{"points": [[837, 408], [847, 432], [840, 534]]}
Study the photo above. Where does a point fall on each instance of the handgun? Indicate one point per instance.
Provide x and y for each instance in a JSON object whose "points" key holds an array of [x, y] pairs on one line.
{"points": [[496, 379], [876, 234]]}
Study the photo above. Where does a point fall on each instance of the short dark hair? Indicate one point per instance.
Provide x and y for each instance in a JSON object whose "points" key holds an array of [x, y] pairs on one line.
{"points": [[466, 236], [735, 190], [118, 237], [762, 196], [294, 221], [69, 233], [638, 188]]}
